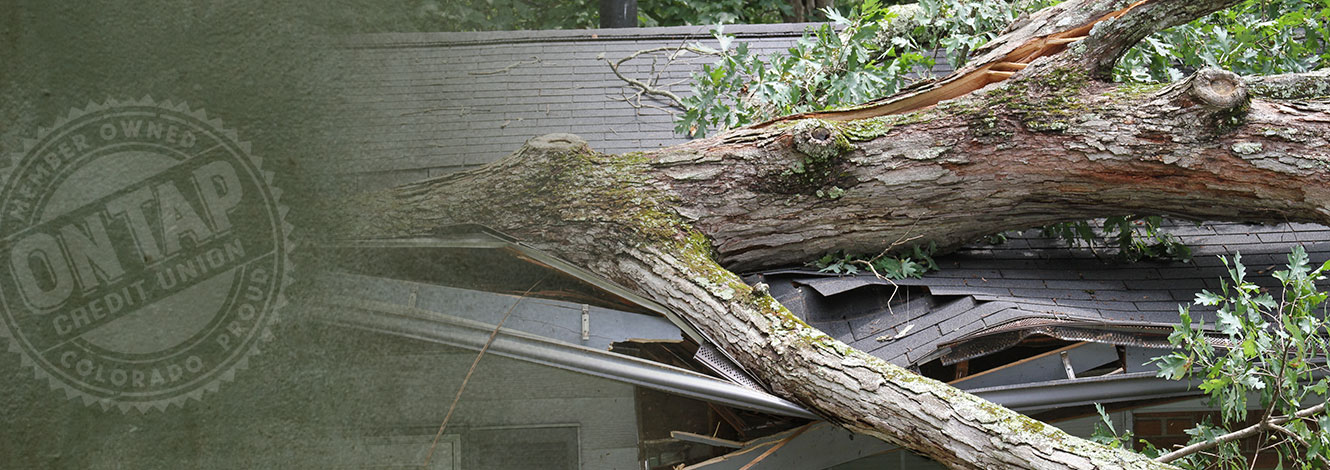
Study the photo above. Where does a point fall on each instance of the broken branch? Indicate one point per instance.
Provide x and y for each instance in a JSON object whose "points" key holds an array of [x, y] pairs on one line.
{"points": [[646, 88]]}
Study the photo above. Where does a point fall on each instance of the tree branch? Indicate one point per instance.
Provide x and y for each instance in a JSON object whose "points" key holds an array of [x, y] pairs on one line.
{"points": [[1248, 431], [646, 88], [1291, 86], [1107, 41], [1303, 442], [1100, 30]]}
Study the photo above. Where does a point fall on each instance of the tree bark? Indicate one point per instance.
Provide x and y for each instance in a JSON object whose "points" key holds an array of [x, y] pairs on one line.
{"points": [[807, 10], [1033, 144]]}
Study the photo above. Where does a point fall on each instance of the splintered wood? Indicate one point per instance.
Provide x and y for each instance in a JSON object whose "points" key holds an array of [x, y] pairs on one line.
{"points": [[963, 81]]}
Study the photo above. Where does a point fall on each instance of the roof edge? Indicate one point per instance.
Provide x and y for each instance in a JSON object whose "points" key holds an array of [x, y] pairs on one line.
{"points": [[480, 38]]}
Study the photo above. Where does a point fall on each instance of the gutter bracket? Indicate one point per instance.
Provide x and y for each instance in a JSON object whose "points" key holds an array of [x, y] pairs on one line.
{"points": [[586, 322]]}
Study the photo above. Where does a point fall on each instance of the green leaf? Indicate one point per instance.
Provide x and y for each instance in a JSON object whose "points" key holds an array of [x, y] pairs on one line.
{"points": [[1210, 385], [1229, 323], [1207, 298], [1173, 366], [1249, 348], [1265, 300]]}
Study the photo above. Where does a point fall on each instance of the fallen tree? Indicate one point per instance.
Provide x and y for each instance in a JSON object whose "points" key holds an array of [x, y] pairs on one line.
{"points": [[1028, 134]]}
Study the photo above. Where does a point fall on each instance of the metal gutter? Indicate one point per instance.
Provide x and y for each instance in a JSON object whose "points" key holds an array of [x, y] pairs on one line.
{"points": [[435, 327], [478, 236], [1085, 391], [488, 240]]}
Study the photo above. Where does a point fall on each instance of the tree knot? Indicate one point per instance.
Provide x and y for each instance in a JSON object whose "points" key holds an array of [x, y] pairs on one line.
{"points": [[1219, 89], [818, 139], [557, 143]]}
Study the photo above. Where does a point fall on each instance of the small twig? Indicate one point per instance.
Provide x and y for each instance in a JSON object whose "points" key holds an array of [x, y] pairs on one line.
{"points": [[647, 88], [894, 287], [467, 378], [635, 101], [534, 60], [899, 241], [1295, 437]]}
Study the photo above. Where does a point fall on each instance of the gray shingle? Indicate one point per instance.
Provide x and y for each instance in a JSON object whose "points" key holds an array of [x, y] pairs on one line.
{"points": [[960, 320], [1087, 284], [1100, 304], [471, 98], [967, 290], [1079, 288]]}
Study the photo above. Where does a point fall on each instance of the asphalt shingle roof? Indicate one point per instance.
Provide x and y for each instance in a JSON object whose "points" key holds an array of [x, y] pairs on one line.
{"points": [[420, 105], [424, 104], [981, 287]]}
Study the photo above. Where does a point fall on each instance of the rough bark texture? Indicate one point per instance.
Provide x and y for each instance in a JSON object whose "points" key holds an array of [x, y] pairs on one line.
{"points": [[1048, 144]]}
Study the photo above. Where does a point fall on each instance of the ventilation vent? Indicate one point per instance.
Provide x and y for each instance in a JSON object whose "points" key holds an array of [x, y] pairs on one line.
{"points": [[717, 362]]}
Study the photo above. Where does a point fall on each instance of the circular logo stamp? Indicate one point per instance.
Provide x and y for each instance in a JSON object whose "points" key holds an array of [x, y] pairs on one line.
{"points": [[143, 254]]}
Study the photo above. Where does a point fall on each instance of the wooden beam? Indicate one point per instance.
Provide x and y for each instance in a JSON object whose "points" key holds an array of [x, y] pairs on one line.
{"points": [[776, 447], [1079, 359], [736, 423], [707, 440], [820, 445]]}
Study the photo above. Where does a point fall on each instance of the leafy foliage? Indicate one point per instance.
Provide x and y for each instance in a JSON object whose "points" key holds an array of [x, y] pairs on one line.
{"points": [[915, 264], [875, 51], [1106, 434], [1278, 351], [825, 67], [1135, 237], [1255, 37]]}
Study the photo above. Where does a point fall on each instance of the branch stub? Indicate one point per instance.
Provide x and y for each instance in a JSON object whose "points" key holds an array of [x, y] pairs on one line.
{"points": [[557, 142], [816, 139], [1219, 88]]}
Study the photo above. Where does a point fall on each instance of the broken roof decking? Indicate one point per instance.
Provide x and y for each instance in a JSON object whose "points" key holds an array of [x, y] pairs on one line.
{"points": [[426, 104], [1030, 276]]}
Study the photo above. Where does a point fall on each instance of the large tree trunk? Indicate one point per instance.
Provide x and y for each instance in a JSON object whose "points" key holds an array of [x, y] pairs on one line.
{"points": [[1045, 144]]}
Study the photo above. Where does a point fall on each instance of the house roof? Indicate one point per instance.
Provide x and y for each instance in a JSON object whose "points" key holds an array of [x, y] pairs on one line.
{"points": [[425, 104], [434, 103], [1034, 285]]}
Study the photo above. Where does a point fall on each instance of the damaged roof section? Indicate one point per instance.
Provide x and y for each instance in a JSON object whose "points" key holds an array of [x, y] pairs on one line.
{"points": [[992, 307], [1007, 335], [471, 272]]}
